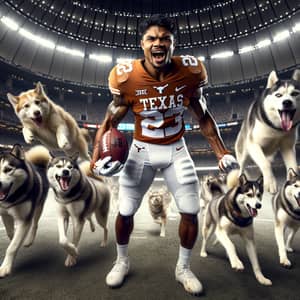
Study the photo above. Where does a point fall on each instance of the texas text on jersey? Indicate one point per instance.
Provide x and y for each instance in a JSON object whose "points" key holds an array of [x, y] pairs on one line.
{"points": [[158, 106]]}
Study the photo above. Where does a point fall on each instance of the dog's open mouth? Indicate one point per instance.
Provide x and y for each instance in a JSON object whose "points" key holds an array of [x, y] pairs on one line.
{"points": [[286, 118], [298, 200], [252, 211], [4, 192], [38, 120], [64, 182]]}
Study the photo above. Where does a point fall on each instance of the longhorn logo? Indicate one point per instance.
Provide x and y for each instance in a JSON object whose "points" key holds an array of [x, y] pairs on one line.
{"points": [[160, 89]]}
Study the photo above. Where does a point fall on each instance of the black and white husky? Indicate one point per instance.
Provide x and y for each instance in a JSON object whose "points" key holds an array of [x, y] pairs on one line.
{"points": [[23, 190], [286, 205], [79, 195], [233, 213], [270, 127]]}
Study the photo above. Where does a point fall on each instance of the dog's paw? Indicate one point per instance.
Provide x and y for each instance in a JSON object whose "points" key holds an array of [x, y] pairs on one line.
{"points": [[70, 261], [63, 143], [28, 243], [289, 249], [103, 243], [270, 184], [28, 137], [203, 253], [263, 280], [285, 263], [4, 271], [237, 265], [162, 234]]}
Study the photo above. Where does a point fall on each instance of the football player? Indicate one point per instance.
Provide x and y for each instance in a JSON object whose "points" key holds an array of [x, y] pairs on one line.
{"points": [[158, 89]]}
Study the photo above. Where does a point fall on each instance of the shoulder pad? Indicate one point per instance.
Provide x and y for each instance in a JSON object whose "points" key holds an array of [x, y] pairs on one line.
{"points": [[192, 63], [123, 69]]}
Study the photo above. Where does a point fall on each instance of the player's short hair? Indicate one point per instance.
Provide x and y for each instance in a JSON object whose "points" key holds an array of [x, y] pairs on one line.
{"points": [[157, 20]]}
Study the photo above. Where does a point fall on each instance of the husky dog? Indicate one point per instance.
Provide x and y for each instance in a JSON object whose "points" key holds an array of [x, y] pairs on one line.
{"points": [[271, 127], [286, 205], [79, 195], [49, 123], [158, 209], [23, 190], [211, 187], [233, 213]]}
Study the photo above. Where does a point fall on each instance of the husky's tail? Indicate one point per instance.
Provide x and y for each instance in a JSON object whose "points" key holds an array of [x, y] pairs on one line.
{"points": [[233, 178], [85, 168], [86, 134], [38, 155]]}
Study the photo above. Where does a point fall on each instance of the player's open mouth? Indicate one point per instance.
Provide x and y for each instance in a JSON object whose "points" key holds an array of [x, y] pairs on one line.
{"points": [[159, 56]]}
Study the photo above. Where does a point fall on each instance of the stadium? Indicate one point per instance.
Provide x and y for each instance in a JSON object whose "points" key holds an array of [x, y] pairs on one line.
{"points": [[71, 47]]}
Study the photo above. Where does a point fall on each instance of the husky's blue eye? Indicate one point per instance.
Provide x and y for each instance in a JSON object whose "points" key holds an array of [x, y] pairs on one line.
{"points": [[278, 95]]}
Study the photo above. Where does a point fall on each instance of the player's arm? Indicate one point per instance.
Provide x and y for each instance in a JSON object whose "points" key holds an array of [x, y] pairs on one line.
{"points": [[116, 111], [210, 130]]}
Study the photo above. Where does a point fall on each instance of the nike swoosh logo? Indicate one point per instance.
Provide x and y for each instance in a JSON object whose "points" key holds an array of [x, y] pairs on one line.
{"points": [[179, 88], [179, 148]]}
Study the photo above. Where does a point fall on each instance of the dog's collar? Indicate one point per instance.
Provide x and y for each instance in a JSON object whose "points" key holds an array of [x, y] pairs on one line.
{"points": [[232, 212], [286, 204]]}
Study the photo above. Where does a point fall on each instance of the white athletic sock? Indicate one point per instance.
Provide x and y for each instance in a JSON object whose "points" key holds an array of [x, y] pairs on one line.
{"points": [[122, 251], [184, 256]]}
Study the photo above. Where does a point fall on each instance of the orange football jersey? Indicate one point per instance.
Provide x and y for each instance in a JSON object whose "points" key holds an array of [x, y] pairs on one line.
{"points": [[158, 106]]}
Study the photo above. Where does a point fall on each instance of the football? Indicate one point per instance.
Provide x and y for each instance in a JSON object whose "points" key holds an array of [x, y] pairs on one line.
{"points": [[114, 144]]}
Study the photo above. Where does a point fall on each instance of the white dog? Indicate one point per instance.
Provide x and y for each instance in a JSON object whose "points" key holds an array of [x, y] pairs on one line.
{"points": [[286, 205], [49, 123], [80, 196], [23, 190], [233, 213], [271, 127]]}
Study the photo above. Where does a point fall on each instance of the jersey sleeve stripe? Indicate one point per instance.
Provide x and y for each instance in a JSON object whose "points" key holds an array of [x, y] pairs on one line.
{"points": [[114, 91]]}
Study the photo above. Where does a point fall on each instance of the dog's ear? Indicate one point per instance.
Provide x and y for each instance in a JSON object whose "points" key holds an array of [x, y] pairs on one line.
{"points": [[272, 79], [12, 99], [291, 174], [296, 75], [18, 151], [74, 156], [260, 182], [39, 89], [243, 179]]}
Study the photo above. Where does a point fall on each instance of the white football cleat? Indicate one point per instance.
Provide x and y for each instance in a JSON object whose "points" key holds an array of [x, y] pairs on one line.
{"points": [[116, 276], [186, 277]]}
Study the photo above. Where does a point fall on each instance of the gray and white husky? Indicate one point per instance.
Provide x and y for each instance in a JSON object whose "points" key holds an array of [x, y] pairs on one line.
{"points": [[79, 195], [23, 190], [233, 213], [271, 127], [286, 205]]}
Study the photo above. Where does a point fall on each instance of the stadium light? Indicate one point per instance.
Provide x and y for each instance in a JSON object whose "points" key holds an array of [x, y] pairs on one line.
{"points": [[201, 58], [101, 58], [222, 54], [246, 49], [70, 51], [281, 36], [37, 39], [263, 43], [11, 24]]}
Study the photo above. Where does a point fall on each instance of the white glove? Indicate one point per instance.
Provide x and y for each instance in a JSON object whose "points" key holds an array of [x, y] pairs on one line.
{"points": [[228, 163], [107, 167]]}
